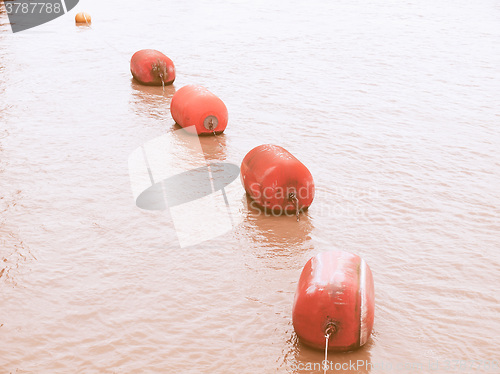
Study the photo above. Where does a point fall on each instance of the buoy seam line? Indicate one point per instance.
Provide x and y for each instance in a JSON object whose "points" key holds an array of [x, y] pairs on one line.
{"points": [[363, 314]]}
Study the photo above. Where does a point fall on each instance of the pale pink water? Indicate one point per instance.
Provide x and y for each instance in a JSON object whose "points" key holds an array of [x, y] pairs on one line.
{"points": [[393, 106]]}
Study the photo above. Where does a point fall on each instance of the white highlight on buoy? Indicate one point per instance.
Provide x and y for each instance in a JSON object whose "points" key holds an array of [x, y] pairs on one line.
{"points": [[363, 315], [332, 277]]}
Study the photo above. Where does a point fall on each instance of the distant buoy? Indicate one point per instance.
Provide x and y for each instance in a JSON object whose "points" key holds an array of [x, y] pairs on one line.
{"points": [[335, 296], [276, 180], [151, 67], [83, 17], [194, 105]]}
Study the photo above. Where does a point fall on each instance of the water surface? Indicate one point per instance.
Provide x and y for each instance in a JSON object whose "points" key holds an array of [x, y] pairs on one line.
{"points": [[392, 105]]}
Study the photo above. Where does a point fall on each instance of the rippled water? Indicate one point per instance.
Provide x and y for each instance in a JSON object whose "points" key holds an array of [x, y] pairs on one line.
{"points": [[392, 105]]}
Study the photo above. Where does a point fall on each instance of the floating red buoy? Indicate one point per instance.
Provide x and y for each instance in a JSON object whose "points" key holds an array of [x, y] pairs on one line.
{"points": [[151, 67], [335, 296], [194, 105], [276, 180]]}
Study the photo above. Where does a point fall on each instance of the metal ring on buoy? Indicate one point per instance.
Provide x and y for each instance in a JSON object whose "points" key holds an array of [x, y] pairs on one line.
{"points": [[210, 123]]}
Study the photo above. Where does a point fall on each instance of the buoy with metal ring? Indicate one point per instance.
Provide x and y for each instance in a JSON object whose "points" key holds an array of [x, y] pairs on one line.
{"points": [[194, 105], [152, 68], [334, 301], [276, 180]]}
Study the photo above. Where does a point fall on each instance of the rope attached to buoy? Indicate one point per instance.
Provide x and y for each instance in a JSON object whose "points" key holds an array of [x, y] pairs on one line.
{"points": [[294, 199], [330, 329], [162, 83], [325, 366], [211, 127], [160, 69], [215, 135]]}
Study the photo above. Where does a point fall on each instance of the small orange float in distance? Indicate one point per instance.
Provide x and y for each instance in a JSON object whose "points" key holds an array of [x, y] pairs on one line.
{"points": [[83, 17]]}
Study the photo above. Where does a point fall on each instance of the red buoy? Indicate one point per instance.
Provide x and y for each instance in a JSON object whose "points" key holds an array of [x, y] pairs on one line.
{"points": [[335, 296], [276, 180], [151, 67], [194, 105]]}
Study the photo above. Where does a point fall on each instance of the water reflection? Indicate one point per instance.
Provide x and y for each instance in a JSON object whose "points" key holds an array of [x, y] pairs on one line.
{"points": [[83, 27], [214, 148], [301, 359], [152, 101], [280, 234]]}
